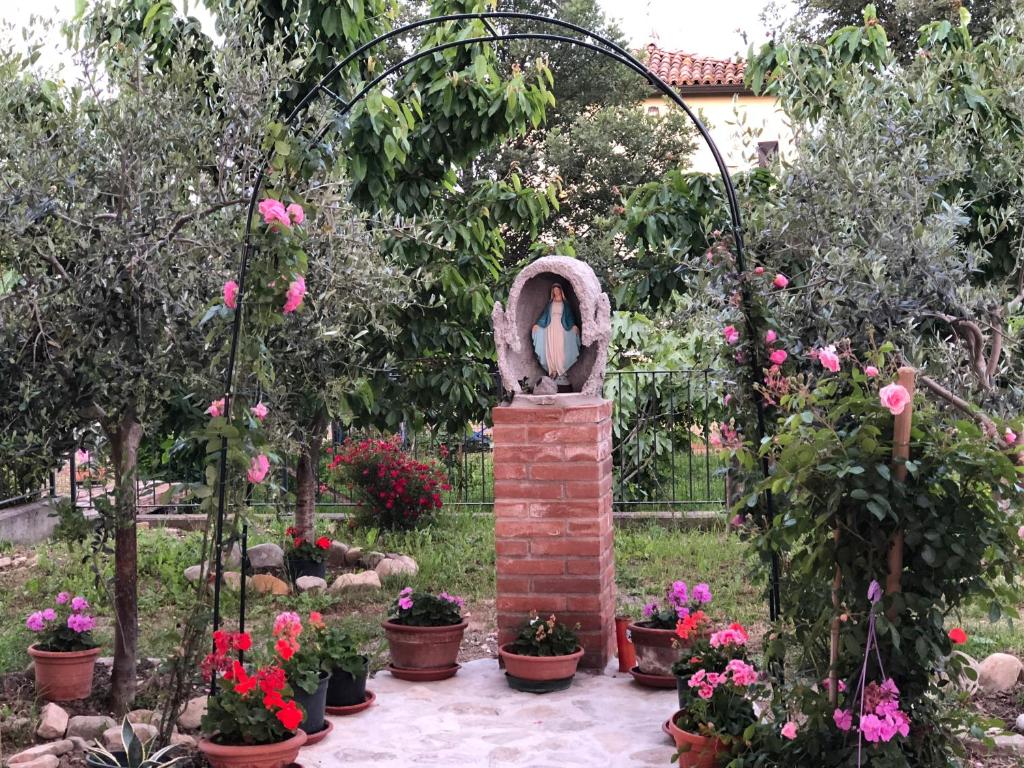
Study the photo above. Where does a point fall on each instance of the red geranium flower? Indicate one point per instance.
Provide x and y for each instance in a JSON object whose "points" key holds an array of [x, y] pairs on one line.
{"points": [[958, 636], [284, 649], [243, 641], [272, 700], [290, 715], [323, 542], [298, 541]]}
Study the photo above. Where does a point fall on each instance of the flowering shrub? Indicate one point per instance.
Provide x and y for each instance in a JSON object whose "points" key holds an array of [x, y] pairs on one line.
{"points": [[710, 654], [422, 609], [680, 602], [392, 489], [64, 628], [545, 638], [251, 706], [299, 547]]}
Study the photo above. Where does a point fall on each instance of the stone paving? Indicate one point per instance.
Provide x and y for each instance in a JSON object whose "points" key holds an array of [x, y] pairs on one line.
{"points": [[474, 719]]}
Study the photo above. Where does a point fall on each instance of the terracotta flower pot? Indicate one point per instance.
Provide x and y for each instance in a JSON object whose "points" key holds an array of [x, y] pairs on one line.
{"points": [[540, 667], [701, 751], [276, 755], [63, 676], [424, 647], [656, 649], [625, 651]]}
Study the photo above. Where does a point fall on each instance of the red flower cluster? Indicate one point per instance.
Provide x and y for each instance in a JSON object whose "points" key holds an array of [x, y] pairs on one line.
{"points": [[691, 625], [303, 548], [395, 490]]}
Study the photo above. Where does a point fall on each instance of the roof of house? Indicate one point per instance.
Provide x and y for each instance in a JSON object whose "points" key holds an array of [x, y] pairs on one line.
{"points": [[691, 73]]}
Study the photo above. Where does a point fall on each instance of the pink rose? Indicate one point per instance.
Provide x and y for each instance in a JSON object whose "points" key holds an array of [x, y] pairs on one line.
{"points": [[758, 270], [780, 281], [296, 290], [259, 411], [829, 359], [216, 408], [1010, 436], [778, 356], [789, 731], [894, 397], [1020, 532], [81, 457], [258, 468], [296, 213], [731, 334], [273, 211], [230, 294], [871, 372], [770, 337]]}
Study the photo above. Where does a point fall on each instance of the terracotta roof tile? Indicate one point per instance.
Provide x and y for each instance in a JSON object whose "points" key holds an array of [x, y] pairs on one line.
{"points": [[681, 69]]}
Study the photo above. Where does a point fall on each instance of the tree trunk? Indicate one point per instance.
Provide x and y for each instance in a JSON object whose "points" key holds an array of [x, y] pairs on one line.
{"points": [[306, 480], [124, 446]]}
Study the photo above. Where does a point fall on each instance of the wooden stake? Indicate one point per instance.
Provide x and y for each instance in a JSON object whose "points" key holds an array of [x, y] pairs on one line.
{"points": [[900, 454]]}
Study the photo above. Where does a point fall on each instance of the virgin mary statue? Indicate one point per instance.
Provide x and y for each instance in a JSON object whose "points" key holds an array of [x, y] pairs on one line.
{"points": [[556, 336]]}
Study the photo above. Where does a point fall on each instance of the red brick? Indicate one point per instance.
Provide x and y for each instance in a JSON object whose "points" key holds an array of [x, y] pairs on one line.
{"points": [[512, 585], [584, 566], [588, 621], [524, 414], [516, 547], [588, 547], [524, 529], [527, 489], [507, 434], [566, 470], [593, 527], [506, 470], [588, 489], [590, 603], [530, 567], [538, 603], [592, 452], [583, 433], [556, 585], [511, 509], [560, 509], [527, 454], [589, 413]]}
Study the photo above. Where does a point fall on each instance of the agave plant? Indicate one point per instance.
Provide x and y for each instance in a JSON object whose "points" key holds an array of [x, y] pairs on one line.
{"points": [[135, 751]]}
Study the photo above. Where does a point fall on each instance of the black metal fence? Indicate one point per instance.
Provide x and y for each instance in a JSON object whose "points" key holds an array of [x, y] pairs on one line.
{"points": [[664, 464]]}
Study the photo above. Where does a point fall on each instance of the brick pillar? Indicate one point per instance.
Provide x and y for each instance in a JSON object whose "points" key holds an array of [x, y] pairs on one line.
{"points": [[553, 518]]}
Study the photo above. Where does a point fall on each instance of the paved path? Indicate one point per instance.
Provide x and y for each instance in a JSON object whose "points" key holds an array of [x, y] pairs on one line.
{"points": [[474, 720]]}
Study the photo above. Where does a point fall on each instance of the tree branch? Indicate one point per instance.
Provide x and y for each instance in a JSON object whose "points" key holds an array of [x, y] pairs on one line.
{"points": [[975, 413], [185, 219]]}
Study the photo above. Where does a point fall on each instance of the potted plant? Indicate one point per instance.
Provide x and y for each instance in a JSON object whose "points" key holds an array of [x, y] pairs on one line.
{"points": [[711, 654], [64, 654], [252, 721], [719, 711], [303, 664], [303, 557], [544, 652], [424, 633], [134, 754], [657, 645], [348, 669]]}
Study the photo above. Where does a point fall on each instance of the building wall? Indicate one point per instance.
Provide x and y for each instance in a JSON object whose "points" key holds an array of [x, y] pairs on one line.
{"points": [[737, 122]]}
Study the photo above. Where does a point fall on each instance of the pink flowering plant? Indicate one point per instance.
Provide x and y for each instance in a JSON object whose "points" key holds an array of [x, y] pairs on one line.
{"points": [[679, 603], [425, 609], [65, 626]]}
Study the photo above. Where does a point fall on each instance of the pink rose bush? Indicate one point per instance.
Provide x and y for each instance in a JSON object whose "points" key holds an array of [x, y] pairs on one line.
{"points": [[731, 335], [216, 408], [64, 629], [296, 291], [231, 294], [829, 359], [258, 469], [894, 397], [259, 411]]}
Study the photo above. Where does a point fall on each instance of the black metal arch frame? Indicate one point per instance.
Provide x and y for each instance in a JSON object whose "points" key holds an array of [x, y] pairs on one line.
{"points": [[588, 40]]}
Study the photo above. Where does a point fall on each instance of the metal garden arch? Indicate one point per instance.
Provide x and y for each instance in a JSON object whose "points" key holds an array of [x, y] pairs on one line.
{"points": [[588, 40]]}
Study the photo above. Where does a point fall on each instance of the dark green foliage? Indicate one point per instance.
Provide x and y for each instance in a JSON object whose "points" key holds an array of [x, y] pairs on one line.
{"points": [[545, 637], [423, 609]]}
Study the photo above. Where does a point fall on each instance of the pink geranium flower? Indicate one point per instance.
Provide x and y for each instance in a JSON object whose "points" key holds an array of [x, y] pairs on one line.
{"points": [[216, 408], [770, 337], [789, 731], [829, 359], [894, 397], [731, 334], [778, 356], [780, 281], [260, 411], [871, 372], [296, 290], [258, 468], [843, 719], [274, 212], [230, 294], [296, 213]]}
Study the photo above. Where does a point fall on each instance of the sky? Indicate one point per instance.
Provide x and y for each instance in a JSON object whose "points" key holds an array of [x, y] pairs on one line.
{"points": [[696, 26]]}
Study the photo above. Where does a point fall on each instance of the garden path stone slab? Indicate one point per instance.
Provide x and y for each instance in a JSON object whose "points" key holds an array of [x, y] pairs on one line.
{"points": [[475, 719]]}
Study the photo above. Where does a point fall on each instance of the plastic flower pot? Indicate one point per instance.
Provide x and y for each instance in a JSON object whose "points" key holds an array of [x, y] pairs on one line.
{"points": [[298, 567], [345, 689], [424, 648], [625, 651], [63, 676], [539, 667], [276, 755], [314, 704], [656, 649], [698, 751]]}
